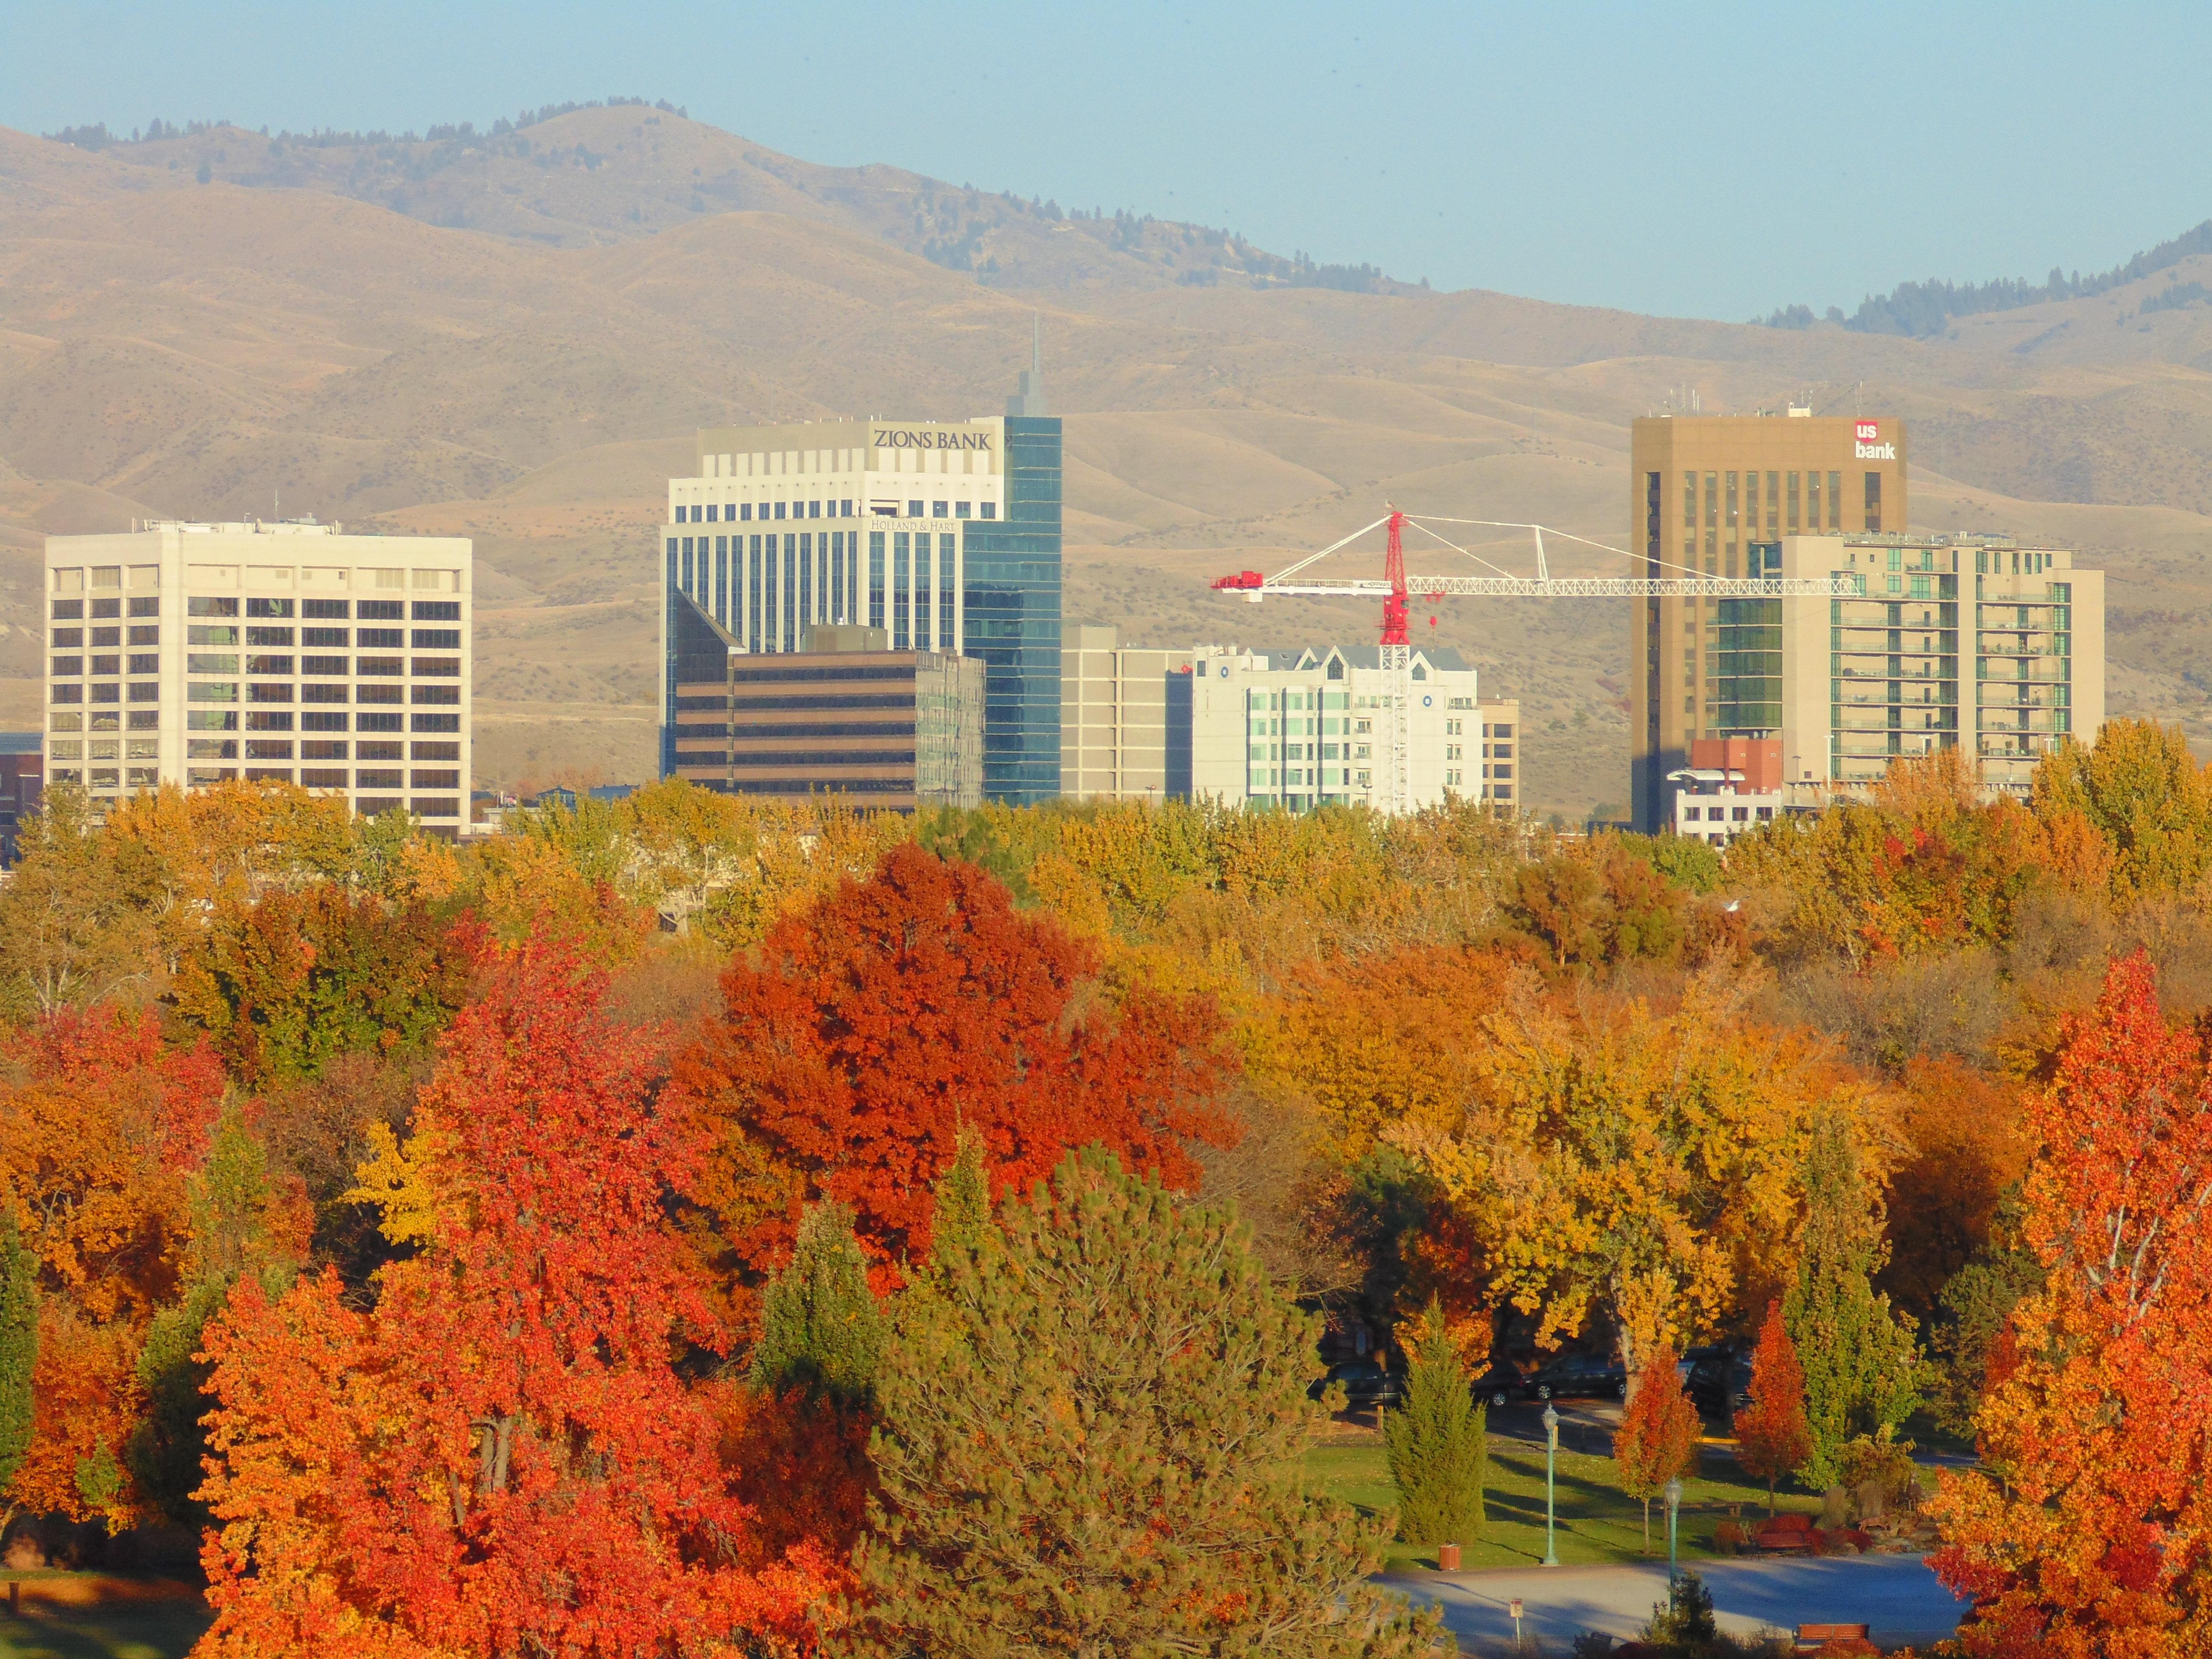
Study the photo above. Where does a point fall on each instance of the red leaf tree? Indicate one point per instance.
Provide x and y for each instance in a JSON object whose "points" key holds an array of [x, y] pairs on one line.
{"points": [[501, 1457], [1658, 1440], [1773, 1436], [870, 1027], [2091, 1534]]}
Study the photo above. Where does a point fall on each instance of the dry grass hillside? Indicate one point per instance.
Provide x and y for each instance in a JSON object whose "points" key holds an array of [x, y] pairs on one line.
{"points": [[463, 338]]}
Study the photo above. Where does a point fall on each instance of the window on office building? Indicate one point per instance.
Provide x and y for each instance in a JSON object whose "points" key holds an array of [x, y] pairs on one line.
{"points": [[901, 566], [1835, 500], [1874, 503]]}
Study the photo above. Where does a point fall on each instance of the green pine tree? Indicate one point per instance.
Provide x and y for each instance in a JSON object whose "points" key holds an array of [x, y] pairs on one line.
{"points": [[963, 1203], [19, 1349], [1091, 1442], [821, 1328], [1861, 1367], [1438, 1445]]}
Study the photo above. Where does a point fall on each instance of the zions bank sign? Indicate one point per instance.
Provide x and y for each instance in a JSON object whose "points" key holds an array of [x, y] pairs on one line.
{"points": [[1870, 447], [900, 437]]}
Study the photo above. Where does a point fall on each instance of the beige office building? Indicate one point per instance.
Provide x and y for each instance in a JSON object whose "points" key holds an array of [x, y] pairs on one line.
{"points": [[1716, 496], [1114, 734], [190, 653]]}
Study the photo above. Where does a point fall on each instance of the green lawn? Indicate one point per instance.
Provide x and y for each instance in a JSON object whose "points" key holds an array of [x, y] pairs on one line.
{"points": [[146, 1630], [1596, 1524]]}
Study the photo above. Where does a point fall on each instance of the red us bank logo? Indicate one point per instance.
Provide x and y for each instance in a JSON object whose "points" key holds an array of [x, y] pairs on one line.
{"points": [[1868, 432]]}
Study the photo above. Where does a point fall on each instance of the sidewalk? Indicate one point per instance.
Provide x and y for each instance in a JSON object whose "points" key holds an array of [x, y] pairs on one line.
{"points": [[1897, 1595]]}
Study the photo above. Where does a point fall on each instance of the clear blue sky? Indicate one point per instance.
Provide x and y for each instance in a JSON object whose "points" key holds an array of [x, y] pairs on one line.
{"points": [[1699, 160]]}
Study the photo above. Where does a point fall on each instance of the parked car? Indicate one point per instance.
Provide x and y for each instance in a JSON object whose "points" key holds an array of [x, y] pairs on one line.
{"points": [[1580, 1377], [1366, 1382], [1720, 1381], [1497, 1385]]}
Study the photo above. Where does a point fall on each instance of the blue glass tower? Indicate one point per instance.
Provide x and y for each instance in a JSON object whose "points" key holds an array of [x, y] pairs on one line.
{"points": [[1012, 617]]}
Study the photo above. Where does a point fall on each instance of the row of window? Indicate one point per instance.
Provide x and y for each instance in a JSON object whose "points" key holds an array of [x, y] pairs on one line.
{"points": [[313, 639], [73, 610], [224, 663], [1744, 508], [75, 639], [281, 719], [735, 512], [338, 777]]}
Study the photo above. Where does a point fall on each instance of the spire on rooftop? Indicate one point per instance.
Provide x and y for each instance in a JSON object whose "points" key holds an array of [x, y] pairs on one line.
{"points": [[1030, 400]]}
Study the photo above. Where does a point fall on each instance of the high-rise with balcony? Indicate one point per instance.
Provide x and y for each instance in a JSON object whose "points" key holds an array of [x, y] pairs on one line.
{"points": [[190, 653], [1974, 641]]}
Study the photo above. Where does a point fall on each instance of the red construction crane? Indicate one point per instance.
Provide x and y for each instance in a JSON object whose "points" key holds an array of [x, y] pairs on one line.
{"points": [[1394, 587]]}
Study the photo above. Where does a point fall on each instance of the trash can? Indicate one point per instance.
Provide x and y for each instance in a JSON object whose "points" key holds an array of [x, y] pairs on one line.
{"points": [[1447, 1557]]}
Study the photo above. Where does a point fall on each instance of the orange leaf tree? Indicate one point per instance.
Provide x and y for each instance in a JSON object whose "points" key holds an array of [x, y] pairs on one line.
{"points": [[1658, 1440], [2091, 1531], [502, 1456], [1773, 1436], [97, 1139], [874, 1025]]}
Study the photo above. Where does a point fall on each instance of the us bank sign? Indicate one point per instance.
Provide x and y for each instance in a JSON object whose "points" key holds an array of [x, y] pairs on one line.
{"points": [[1870, 447]]}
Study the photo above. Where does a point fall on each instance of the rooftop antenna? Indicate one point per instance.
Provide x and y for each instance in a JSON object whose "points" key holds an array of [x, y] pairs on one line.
{"points": [[1030, 399]]}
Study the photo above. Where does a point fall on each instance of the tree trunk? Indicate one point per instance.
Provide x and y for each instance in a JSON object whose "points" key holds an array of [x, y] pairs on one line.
{"points": [[1769, 1497], [1647, 1526]]}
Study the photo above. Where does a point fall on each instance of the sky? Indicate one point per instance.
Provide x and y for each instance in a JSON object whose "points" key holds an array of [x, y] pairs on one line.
{"points": [[1683, 159]]}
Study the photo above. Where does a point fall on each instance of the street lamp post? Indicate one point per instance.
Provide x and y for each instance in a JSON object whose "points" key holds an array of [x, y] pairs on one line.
{"points": [[1674, 1508], [1551, 1460]]}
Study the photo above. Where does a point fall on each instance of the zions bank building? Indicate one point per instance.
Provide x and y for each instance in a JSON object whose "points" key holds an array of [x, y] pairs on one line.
{"points": [[939, 536]]}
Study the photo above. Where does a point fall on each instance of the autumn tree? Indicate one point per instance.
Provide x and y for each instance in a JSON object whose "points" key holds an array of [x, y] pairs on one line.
{"points": [[1092, 1442], [1658, 1440], [2146, 795], [1773, 1436], [1436, 1444], [95, 1140], [1621, 1157], [76, 913], [2084, 1531], [1862, 1369], [1970, 1147], [1378, 1039], [501, 1455], [874, 1025]]}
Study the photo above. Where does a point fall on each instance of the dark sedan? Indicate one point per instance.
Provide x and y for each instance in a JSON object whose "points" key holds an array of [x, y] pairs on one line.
{"points": [[1579, 1376], [1366, 1382], [1497, 1385], [1720, 1383]]}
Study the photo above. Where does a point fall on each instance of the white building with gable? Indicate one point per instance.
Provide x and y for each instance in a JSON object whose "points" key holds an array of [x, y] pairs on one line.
{"points": [[1303, 730]]}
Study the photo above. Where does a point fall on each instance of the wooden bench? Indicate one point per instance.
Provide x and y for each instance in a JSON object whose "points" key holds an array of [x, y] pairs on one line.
{"points": [[1783, 1533], [1811, 1638]]}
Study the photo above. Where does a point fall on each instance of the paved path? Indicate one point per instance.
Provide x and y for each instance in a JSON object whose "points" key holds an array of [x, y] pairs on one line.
{"points": [[1896, 1594]]}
